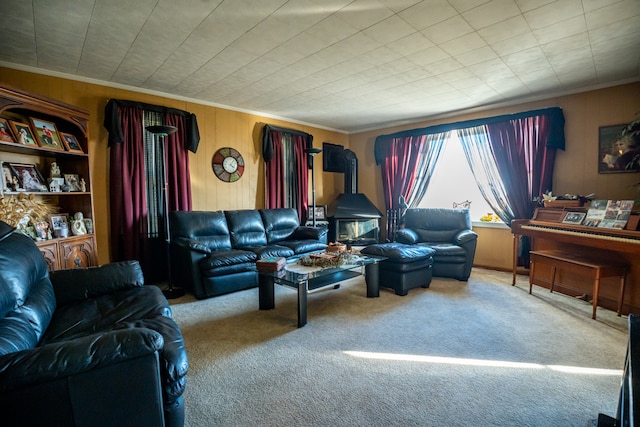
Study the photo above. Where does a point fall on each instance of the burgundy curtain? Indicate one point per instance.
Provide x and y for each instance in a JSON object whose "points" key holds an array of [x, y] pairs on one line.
{"points": [[524, 160], [406, 164], [286, 169], [302, 177], [274, 169], [178, 169], [128, 189], [130, 239]]}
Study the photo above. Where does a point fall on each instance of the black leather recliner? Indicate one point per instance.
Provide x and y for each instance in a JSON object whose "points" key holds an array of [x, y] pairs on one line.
{"points": [[85, 347], [448, 232]]}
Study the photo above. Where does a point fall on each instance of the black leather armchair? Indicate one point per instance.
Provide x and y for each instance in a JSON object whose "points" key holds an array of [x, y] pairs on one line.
{"points": [[85, 347], [448, 232]]}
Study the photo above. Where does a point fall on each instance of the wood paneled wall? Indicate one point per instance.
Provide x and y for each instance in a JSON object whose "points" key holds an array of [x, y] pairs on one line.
{"points": [[576, 167], [218, 128]]}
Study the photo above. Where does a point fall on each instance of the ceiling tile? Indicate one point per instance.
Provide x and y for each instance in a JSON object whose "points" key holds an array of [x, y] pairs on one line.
{"points": [[504, 30], [491, 13], [448, 30], [363, 14], [427, 13], [463, 44], [552, 13]]}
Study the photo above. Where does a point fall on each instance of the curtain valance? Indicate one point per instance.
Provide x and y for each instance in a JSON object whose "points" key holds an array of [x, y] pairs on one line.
{"points": [[267, 139], [114, 126], [555, 139]]}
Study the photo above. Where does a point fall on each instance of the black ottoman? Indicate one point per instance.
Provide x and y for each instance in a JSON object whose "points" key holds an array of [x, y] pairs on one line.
{"points": [[406, 266]]}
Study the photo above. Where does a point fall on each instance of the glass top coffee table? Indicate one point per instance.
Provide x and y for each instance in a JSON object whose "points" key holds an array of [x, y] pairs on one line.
{"points": [[305, 282]]}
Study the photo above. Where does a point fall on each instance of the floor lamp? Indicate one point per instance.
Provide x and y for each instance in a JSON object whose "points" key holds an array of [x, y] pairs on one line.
{"points": [[162, 131], [312, 152]]}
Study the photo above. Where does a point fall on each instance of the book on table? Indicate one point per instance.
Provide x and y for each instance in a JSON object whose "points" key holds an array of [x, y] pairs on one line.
{"points": [[271, 263]]}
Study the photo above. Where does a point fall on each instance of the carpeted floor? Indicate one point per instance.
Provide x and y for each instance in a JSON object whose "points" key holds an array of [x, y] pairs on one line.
{"points": [[481, 353]]}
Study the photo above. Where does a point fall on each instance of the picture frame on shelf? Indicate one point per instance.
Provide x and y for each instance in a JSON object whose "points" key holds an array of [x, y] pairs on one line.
{"points": [[7, 177], [59, 224], [5, 131], [617, 153], [23, 133], [320, 213], [574, 218], [71, 143], [41, 230], [29, 177], [73, 181], [47, 134]]}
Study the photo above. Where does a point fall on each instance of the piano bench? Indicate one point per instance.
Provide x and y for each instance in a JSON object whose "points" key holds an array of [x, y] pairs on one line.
{"points": [[583, 265]]}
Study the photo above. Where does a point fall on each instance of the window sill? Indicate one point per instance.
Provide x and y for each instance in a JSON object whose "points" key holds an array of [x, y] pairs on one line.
{"points": [[482, 224]]}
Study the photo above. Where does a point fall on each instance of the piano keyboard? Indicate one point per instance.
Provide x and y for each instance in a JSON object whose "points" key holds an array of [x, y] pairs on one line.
{"points": [[586, 233]]}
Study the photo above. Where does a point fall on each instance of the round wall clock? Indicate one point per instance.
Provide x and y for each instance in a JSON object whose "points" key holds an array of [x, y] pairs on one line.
{"points": [[228, 164]]}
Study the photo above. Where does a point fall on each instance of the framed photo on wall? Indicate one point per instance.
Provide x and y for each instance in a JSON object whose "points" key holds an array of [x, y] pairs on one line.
{"points": [[47, 134], [23, 133], [617, 153]]}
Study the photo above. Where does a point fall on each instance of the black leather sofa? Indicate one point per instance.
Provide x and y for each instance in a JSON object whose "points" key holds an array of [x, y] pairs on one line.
{"points": [[448, 232], [85, 347], [214, 253]]}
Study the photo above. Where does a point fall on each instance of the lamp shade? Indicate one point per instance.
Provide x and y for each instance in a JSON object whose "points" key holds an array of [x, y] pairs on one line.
{"points": [[162, 129], [313, 151]]}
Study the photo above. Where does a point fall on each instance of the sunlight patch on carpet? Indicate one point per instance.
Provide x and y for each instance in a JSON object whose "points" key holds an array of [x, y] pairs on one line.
{"points": [[480, 362]]}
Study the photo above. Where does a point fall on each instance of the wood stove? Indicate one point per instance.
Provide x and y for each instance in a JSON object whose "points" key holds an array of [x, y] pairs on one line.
{"points": [[353, 219]]}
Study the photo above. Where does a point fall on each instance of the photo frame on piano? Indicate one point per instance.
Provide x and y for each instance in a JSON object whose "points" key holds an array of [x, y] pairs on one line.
{"points": [[574, 218]]}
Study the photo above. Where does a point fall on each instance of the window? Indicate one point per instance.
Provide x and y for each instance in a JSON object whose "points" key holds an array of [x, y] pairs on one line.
{"points": [[453, 181], [155, 176]]}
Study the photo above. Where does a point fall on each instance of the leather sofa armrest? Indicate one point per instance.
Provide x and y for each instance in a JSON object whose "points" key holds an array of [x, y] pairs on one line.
{"points": [[407, 236], [67, 358], [309, 233], [192, 244], [83, 283], [465, 236]]}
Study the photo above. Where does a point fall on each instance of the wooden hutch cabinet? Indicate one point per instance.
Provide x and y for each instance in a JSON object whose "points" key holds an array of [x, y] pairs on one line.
{"points": [[26, 109]]}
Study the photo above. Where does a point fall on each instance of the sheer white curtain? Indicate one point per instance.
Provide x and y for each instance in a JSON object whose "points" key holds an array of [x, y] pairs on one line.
{"points": [[478, 151]]}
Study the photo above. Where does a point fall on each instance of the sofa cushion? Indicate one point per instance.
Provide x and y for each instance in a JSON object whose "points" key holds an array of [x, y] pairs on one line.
{"points": [[279, 224], [246, 229], [437, 224], [310, 233], [446, 251], [27, 300], [304, 246], [227, 262], [138, 307], [399, 253], [273, 251], [208, 228]]}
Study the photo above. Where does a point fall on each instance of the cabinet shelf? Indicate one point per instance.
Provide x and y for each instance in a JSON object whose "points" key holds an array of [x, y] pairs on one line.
{"points": [[48, 193], [14, 147], [16, 105]]}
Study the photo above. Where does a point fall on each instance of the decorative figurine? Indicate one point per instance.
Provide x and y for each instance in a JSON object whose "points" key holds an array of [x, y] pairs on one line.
{"points": [[55, 170], [77, 224]]}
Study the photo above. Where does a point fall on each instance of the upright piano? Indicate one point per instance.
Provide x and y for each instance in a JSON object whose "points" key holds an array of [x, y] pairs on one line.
{"points": [[547, 229]]}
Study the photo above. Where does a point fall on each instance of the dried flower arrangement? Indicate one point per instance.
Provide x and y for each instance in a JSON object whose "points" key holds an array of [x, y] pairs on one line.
{"points": [[24, 210], [334, 259]]}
